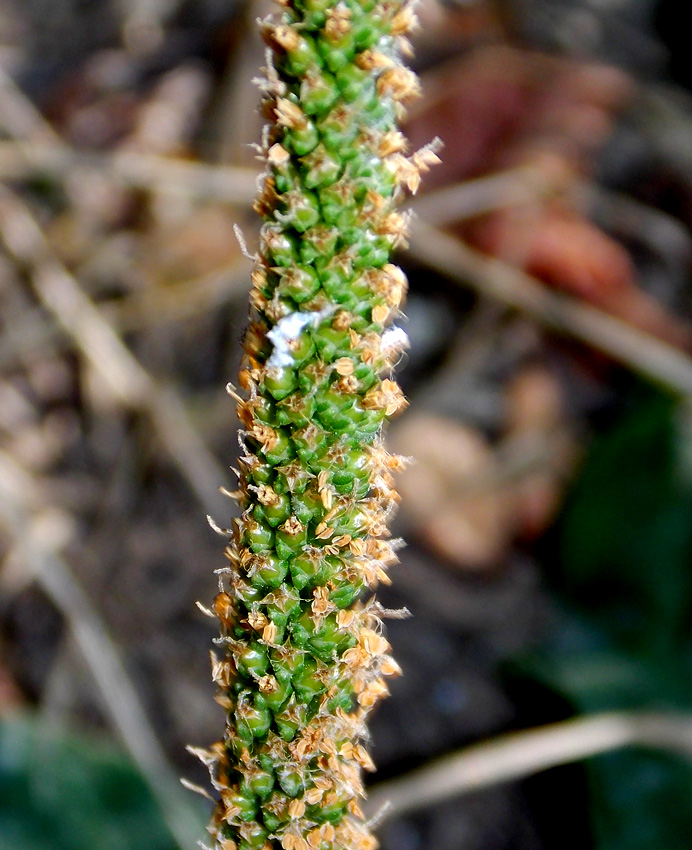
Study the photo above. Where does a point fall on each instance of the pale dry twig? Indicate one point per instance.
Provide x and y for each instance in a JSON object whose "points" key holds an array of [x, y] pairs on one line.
{"points": [[520, 754]]}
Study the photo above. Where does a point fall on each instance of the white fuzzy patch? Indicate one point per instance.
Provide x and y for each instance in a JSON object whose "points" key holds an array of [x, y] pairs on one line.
{"points": [[287, 331], [394, 339]]}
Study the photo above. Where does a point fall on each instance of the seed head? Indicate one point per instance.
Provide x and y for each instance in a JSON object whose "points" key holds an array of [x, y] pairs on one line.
{"points": [[301, 659]]}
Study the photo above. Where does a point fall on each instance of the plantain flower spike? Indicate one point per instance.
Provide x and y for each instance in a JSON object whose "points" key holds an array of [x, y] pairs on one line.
{"points": [[301, 660]]}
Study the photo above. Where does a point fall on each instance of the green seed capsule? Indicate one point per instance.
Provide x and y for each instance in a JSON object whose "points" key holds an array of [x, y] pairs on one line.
{"points": [[271, 821], [352, 471], [302, 210], [371, 422], [306, 684], [260, 722], [278, 511], [308, 507], [249, 594], [275, 810], [339, 129], [292, 478], [261, 783], [255, 717], [270, 570], [301, 140], [326, 642], [296, 410], [365, 374], [368, 30], [318, 92], [381, 114], [246, 802], [299, 283], [280, 450], [254, 836], [331, 343], [337, 51], [371, 252], [282, 604], [307, 570], [257, 536], [365, 165], [280, 246], [318, 241], [336, 203], [261, 473], [291, 719], [320, 169], [263, 410], [335, 274], [291, 782], [353, 81], [290, 542], [244, 734], [343, 700], [252, 660], [313, 375], [302, 57], [329, 407], [349, 522], [332, 813], [277, 696], [285, 177], [310, 442], [287, 660], [345, 594], [317, 10]]}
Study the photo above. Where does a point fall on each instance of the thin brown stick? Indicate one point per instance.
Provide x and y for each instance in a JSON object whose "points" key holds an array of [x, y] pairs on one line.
{"points": [[491, 278], [178, 301], [520, 754], [30, 335], [134, 170], [28, 527], [521, 185], [129, 382], [20, 118]]}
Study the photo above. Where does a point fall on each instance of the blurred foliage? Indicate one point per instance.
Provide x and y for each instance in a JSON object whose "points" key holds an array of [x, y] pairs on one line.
{"points": [[63, 792], [623, 640]]}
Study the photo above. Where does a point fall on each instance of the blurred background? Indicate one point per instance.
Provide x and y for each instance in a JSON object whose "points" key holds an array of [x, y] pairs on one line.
{"points": [[548, 514]]}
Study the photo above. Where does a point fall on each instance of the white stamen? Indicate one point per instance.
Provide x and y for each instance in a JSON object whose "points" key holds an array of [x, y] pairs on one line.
{"points": [[197, 789], [206, 611], [243, 244], [224, 532]]}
